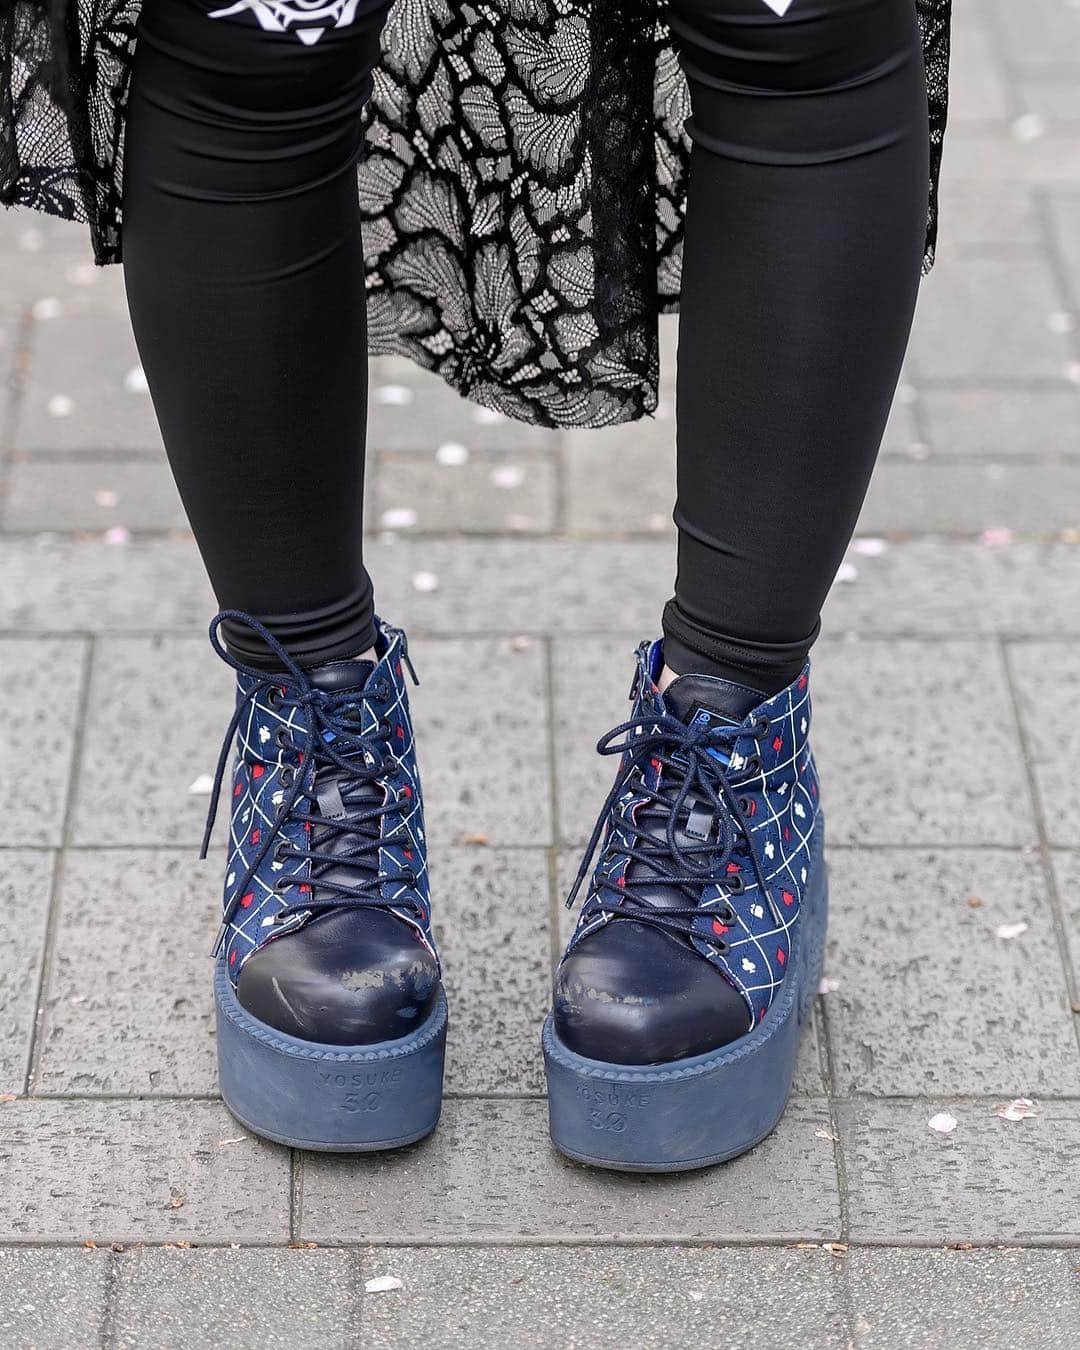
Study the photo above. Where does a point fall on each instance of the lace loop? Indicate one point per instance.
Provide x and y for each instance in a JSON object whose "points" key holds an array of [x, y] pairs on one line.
{"points": [[686, 754], [331, 740]]}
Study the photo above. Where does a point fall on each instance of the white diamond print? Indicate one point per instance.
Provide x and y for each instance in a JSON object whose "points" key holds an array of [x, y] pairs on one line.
{"points": [[780, 7]]}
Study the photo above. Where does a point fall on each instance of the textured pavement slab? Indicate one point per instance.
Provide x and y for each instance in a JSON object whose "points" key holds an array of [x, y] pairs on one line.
{"points": [[527, 564], [604, 1299], [490, 1172], [967, 1300], [989, 1180], [138, 1171]]}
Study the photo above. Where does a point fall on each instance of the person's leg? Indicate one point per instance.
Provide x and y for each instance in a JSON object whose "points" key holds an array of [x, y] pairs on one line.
{"points": [[699, 946], [805, 225], [244, 273], [245, 276]]}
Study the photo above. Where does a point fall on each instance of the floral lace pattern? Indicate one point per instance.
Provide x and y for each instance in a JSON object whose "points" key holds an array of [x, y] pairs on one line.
{"points": [[522, 190]]}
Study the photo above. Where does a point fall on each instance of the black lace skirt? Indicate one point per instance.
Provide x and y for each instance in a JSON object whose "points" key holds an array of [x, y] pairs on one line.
{"points": [[522, 189]]}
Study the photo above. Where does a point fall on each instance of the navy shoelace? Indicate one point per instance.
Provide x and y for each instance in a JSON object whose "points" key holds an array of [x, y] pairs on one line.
{"points": [[333, 743], [697, 792]]}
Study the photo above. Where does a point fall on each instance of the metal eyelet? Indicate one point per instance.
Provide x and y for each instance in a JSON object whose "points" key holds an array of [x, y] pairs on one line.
{"points": [[762, 727], [287, 776], [283, 883], [281, 853], [275, 696], [734, 884], [282, 739]]}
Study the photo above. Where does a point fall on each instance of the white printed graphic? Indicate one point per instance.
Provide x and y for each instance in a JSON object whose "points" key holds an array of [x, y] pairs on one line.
{"points": [[780, 7], [278, 16]]}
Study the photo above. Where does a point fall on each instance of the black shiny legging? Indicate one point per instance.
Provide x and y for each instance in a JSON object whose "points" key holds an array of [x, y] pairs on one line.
{"points": [[804, 230]]}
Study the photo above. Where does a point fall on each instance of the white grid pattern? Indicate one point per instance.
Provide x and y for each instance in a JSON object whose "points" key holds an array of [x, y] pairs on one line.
{"points": [[784, 796], [258, 792]]}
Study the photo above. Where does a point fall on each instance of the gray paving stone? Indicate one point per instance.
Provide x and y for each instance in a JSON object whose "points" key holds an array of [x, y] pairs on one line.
{"points": [[66, 585], [43, 266], [1002, 158], [808, 1081], [1055, 99], [1063, 209], [246, 1299], [977, 85], [1044, 31], [1047, 679], [980, 215], [937, 588], [1067, 873], [926, 587], [936, 498], [1012, 299], [95, 494], [85, 358], [916, 745], [124, 1015], [42, 680], [902, 435], [591, 677], [52, 1298], [990, 1180], [412, 409], [911, 957], [490, 912], [536, 1298], [977, 1300], [489, 1171], [147, 740], [24, 909], [514, 493], [621, 480], [481, 717], [988, 423], [138, 1171]]}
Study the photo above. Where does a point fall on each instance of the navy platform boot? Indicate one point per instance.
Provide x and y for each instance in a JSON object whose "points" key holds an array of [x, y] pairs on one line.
{"points": [[331, 1018], [682, 995]]}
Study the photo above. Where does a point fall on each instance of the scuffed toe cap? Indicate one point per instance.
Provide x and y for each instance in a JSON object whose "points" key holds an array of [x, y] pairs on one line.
{"points": [[348, 977], [630, 994]]}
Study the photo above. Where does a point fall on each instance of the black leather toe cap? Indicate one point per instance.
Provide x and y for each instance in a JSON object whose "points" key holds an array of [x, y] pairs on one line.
{"points": [[348, 977], [631, 994]]}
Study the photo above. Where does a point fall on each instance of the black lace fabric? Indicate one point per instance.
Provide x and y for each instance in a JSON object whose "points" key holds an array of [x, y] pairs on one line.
{"points": [[522, 190]]}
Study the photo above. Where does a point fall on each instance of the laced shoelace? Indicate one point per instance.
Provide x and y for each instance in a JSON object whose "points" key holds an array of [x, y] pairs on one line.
{"points": [[332, 741], [683, 756]]}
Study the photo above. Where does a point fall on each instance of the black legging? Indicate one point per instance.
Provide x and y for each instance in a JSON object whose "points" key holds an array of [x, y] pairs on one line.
{"points": [[804, 232]]}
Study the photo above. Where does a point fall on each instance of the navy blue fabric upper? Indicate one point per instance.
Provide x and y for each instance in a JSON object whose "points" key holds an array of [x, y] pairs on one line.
{"points": [[321, 773], [705, 840]]}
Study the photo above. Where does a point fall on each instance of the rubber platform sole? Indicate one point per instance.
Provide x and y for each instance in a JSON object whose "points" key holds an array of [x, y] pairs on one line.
{"points": [[332, 1098], [699, 1111]]}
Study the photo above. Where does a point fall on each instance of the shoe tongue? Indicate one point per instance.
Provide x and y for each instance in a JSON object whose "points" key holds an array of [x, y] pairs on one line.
{"points": [[340, 676], [698, 700], [708, 698]]}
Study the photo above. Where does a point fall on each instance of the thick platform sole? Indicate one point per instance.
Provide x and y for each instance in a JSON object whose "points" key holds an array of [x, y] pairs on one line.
{"points": [[699, 1111], [333, 1098]]}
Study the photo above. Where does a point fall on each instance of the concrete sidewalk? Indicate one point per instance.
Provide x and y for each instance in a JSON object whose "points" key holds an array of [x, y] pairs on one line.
{"points": [[135, 1212]]}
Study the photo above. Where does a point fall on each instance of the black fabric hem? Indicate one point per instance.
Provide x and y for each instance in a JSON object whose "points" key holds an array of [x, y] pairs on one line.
{"points": [[692, 649], [311, 637]]}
